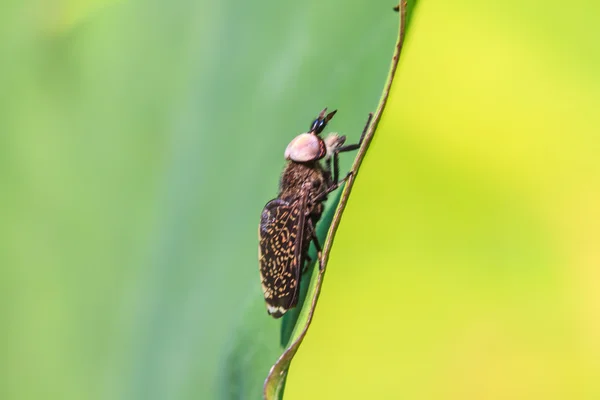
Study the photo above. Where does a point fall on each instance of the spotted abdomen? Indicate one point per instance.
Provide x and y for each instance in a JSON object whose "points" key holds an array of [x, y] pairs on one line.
{"points": [[280, 253]]}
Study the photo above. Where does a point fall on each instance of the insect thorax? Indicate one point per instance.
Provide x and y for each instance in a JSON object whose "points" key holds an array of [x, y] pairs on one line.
{"points": [[299, 177]]}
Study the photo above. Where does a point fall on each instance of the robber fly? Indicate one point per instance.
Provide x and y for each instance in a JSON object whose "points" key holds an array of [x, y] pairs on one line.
{"points": [[287, 224]]}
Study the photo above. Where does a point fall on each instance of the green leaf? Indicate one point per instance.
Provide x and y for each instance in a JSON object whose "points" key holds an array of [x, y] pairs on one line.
{"points": [[301, 318]]}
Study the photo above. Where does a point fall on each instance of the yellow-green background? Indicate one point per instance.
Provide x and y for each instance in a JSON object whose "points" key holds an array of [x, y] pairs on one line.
{"points": [[467, 264], [140, 140]]}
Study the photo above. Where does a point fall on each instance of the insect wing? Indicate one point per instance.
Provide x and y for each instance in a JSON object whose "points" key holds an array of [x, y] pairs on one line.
{"points": [[280, 253]]}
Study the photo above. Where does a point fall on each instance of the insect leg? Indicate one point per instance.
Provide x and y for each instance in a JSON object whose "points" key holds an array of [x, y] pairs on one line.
{"points": [[315, 239], [350, 147], [321, 196], [307, 262], [328, 166], [336, 167]]}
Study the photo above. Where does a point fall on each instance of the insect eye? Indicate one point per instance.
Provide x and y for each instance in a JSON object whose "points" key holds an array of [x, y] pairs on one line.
{"points": [[314, 126], [321, 126], [318, 126]]}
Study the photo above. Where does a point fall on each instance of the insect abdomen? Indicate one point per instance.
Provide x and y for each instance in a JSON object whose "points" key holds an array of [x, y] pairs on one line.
{"points": [[280, 232]]}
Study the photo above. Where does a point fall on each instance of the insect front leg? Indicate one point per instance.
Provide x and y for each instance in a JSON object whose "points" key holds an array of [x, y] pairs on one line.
{"points": [[350, 147]]}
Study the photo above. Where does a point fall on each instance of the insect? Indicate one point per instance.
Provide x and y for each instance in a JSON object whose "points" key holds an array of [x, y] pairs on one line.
{"points": [[288, 222]]}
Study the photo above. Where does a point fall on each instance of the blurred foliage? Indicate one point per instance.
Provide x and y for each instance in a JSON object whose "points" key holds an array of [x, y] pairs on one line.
{"points": [[466, 263], [139, 142]]}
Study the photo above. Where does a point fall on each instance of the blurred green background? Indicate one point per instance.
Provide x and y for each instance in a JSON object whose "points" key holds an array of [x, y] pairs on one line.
{"points": [[140, 140]]}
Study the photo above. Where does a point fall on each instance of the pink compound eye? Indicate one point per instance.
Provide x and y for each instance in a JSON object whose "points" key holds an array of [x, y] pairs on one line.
{"points": [[305, 147]]}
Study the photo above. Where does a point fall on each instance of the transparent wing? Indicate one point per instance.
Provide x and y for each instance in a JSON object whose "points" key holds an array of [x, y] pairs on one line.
{"points": [[281, 257]]}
